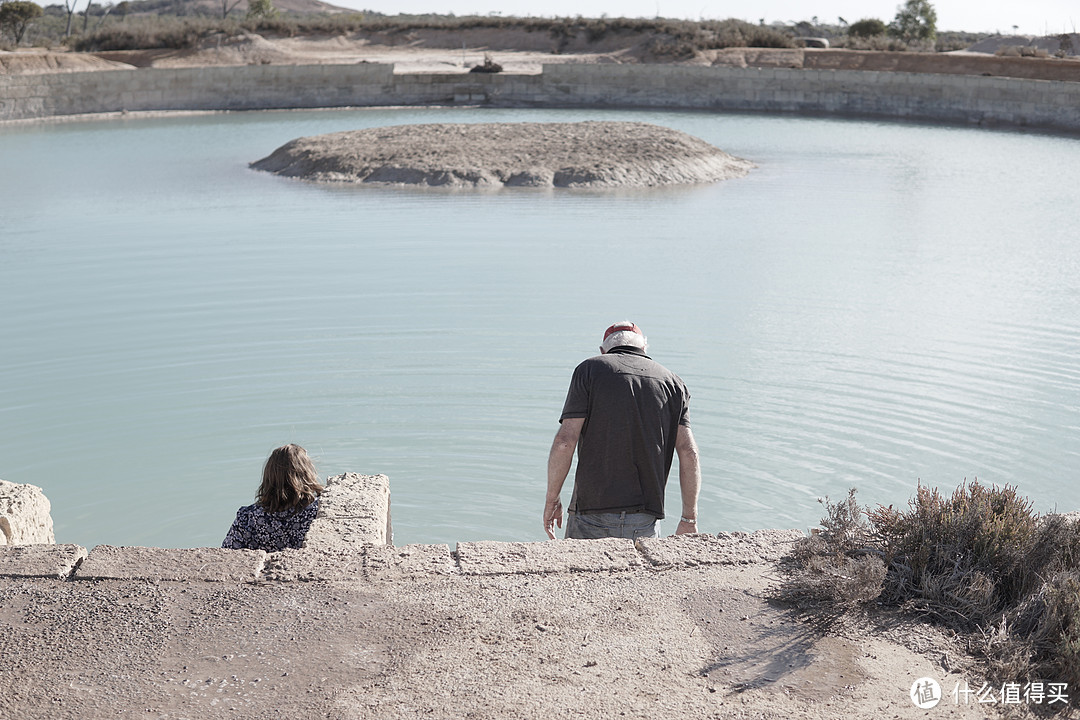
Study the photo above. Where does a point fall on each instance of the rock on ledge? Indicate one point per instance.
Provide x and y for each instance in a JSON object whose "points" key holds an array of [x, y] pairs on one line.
{"points": [[584, 154], [25, 515]]}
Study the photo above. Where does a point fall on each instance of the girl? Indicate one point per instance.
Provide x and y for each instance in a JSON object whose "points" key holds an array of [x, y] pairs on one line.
{"points": [[286, 503]]}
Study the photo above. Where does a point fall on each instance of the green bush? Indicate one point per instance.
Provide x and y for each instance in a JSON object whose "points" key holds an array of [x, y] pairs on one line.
{"points": [[16, 17], [259, 9], [916, 20], [867, 28]]}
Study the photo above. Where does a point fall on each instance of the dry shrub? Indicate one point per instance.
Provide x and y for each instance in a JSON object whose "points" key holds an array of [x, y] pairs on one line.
{"points": [[875, 42], [666, 46], [977, 561], [664, 38], [836, 568], [1039, 638], [961, 559], [736, 33], [142, 34], [683, 39], [834, 582]]}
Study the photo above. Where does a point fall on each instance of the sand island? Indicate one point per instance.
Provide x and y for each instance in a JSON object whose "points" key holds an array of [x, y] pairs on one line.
{"points": [[575, 155]]}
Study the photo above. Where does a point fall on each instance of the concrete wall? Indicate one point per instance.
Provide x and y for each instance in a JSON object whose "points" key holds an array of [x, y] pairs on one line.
{"points": [[965, 99], [924, 96], [243, 87], [350, 539], [369, 561]]}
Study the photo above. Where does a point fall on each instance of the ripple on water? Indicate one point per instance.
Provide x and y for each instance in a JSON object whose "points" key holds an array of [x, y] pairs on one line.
{"points": [[847, 315]]}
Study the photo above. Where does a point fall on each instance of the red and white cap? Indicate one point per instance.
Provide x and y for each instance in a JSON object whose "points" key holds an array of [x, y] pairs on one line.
{"points": [[620, 327]]}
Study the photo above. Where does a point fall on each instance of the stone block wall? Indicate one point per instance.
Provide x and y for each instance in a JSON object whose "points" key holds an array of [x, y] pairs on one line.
{"points": [[924, 96], [244, 87], [1049, 104]]}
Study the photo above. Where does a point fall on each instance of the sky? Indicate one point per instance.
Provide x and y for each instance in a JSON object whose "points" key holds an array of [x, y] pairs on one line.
{"points": [[1035, 17]]}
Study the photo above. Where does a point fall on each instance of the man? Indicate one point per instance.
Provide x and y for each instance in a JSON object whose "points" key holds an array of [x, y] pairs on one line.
{"points": [[627, 415]]}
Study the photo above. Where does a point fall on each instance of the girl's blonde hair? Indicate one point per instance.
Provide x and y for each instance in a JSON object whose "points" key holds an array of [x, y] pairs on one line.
{"points": [[289, 480]]}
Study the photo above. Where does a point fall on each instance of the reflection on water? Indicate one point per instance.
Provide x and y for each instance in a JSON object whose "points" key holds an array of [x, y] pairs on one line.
{"points": [[874, 305]]}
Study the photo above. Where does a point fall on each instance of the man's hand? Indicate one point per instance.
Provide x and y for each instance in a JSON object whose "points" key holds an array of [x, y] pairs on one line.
{"points": [[552, 517], [686, 528]]}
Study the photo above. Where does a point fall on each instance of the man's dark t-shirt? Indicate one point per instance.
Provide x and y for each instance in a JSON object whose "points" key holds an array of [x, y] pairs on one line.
{"points": [[633, 407]]}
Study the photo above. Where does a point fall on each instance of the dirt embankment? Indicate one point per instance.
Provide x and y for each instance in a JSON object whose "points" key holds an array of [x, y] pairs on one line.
{"points": [[960, 63], [37, 62], [520, 51]]}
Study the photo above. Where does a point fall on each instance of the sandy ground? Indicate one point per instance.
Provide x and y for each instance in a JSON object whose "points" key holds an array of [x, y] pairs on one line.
{"points": [[584, 154], [699, 642], [254, 49]]}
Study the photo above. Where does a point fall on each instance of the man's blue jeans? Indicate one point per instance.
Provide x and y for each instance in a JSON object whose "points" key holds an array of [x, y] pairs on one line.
{"points": [[604, 525]]}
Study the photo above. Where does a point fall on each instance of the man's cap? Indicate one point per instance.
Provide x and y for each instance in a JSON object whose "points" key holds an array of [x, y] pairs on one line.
{"points": [[620, 327]]}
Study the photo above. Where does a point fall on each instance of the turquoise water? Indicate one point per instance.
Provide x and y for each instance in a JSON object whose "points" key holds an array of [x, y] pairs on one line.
{"points": [[875, 305]]}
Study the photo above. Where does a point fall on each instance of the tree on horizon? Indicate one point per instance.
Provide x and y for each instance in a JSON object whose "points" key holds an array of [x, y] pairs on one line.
{"points": [[915, 20], [16, 16]]}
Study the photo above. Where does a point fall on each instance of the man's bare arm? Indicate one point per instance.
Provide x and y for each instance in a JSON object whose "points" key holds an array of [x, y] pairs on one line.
{"points": [[559, 460], [689, 478]]}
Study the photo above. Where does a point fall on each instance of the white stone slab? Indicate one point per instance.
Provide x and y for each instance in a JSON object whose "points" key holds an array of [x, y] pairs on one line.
{"points": [[733, 548], [45, 560], [107, 562], [502, 558]]}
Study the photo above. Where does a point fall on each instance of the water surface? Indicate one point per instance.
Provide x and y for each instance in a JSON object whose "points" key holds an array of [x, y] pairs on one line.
{"points": [[875, 305]]}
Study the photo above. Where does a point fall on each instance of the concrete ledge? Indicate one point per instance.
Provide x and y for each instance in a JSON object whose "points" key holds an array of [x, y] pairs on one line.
{"points": [[40, 561], [509, 558], [385, 562], [378, 562], [339, 534], [313, 564], [735, 548], [350, 541], [107, 562], [354, 510]]}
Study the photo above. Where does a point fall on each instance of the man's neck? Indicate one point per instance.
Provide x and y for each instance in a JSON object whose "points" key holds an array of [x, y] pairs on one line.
{"points": [[628, 350]]}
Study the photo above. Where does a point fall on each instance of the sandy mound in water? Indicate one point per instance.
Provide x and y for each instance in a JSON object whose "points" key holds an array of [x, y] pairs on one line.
{"points": [[585, 154]]}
